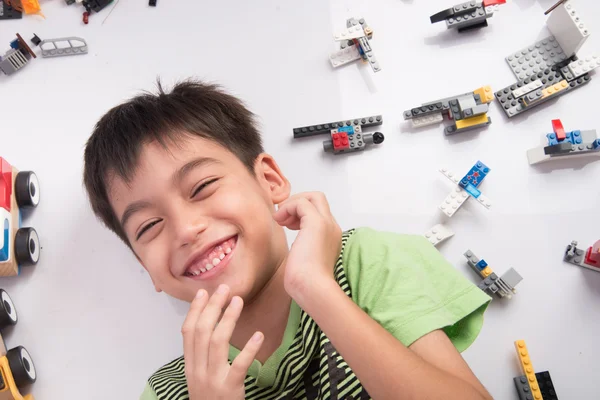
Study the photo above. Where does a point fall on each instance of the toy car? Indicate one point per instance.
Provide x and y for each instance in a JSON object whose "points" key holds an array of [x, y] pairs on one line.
{"points": [[18, 246], [16, 366]]}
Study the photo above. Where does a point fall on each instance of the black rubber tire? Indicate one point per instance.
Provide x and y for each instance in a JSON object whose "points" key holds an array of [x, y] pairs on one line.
{"points": [[378, 138], [27, 189], [8, 311], [27, 246], [21, 366]]}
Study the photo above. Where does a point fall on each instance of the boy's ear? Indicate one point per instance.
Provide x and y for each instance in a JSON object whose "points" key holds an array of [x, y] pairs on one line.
{"points": [[158, 290], [271, 178]]}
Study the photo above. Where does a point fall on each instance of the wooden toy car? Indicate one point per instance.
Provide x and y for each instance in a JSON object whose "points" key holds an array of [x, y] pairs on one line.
{"points": [[18, 246], [16, 366]]}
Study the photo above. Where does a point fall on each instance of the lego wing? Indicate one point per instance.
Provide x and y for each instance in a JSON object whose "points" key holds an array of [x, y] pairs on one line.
{"points": [[354, 32], [344, 56]]}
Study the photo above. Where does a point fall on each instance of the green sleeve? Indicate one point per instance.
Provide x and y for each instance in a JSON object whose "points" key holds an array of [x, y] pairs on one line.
{"points": [[148, 394], [407, 286]]}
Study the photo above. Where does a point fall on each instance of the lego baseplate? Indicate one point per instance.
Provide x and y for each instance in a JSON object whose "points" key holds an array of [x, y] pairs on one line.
{"points": [[536, 58]]}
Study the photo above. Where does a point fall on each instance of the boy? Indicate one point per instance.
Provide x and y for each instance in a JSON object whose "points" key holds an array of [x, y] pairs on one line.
{"points": [[183, 180]]}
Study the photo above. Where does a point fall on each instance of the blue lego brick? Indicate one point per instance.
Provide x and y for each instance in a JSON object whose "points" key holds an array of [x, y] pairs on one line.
{"points": [[14, 44], [472, 190], [596, 144], [5, 248], [573, 137], [481, 265], [348, 129], [475, 176]]}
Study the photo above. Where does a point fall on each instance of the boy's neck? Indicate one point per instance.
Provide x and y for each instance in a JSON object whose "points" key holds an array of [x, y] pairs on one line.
{"points": [[267, 312]]}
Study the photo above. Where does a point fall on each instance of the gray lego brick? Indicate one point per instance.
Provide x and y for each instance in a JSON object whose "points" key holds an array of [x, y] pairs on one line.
{"points": [[512, 106], [567, 74], [50, 47], [312, 130], [12, 61], [523, 389], [576, 256], [472, 260], [477, 110], [465, 7], [451, 130], [425, 110], [461, 21], [455, 109], [465, 102], [536, 58], [511, 278]]}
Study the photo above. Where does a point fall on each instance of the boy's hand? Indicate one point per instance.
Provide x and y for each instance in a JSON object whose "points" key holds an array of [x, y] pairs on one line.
{"points": [[316, 248], [206, 348]]}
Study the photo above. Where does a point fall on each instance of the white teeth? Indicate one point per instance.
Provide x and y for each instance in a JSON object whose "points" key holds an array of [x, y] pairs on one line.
{"points": [[209, 266], [221, 256], [196, 273], [203, 269], [227, 250], [216, 261], [219, 248]]}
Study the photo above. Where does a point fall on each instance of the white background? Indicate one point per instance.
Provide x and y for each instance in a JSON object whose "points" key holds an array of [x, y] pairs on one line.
{"points": [[88, 313]]}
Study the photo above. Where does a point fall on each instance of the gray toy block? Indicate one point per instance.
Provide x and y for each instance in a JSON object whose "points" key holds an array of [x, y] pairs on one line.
{"points": [[536, 58], [465, 102], [477, 110], [50, 48], [464, 20], [313, 130], [452, 130], [472, 260], [523, 389], [466, 7], [455, 109], [425, 110], [576, 256], [567, 74], [12, 61], [511, 278]]}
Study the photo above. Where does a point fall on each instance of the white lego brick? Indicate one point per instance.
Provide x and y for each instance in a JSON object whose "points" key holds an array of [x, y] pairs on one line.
{"points": [[438, 234], [484, 201], [566, 25], [537, 155], [453, 201], [530, 87], [353, 32], [489, 11], [584, 65], [345, 56], [425, 120], [451, 175]]}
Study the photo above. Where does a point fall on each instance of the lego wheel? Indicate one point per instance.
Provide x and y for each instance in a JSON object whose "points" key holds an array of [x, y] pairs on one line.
{"points": [[27, 246], [27, 189], [21, 366], [8, 312]]}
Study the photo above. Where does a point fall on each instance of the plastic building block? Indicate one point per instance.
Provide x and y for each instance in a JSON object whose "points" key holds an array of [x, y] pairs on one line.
{"points": [[589, 258], [17, 57], [466, 187], [17, 369], [346, 136], [26, 6], [583, 66], [354, 45], [546, 385], [467, 16], [566, 25], [8, 12], [438, 234], [530, 87], [532, 386], [19, 246], [468, 111], [561, 144], [152, 3], [503, 286], [36, 40], [536, 58], [51, 49]]}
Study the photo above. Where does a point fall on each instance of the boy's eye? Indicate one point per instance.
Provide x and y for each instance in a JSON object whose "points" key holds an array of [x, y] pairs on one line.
{"points": [[146, 227], [202, 186]]}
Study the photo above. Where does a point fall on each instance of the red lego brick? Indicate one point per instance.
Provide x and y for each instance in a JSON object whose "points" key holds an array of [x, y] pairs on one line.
{"points": [[487, 3], [557, 126], [5, 184], [340, 141], [592, 256]]}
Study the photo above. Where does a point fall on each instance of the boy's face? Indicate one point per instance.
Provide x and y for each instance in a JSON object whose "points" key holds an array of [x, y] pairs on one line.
{"points": [[196, 217]]}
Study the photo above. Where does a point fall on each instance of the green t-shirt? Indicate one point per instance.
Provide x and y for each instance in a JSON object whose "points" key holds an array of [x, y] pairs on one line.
{"points": [[401, 281]]}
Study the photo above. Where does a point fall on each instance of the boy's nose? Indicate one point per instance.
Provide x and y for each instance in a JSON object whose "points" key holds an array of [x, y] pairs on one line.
{"points": [[188, 230]]}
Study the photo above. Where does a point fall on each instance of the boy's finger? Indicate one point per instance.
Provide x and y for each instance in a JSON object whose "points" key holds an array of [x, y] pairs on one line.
{"points": [[188, 329], [219, 341], [241, 364], [205, 326], [317, 198], [289, 221], [299, 209]]}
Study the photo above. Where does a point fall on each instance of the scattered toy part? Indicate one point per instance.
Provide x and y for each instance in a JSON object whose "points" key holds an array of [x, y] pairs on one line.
{"points": [[354, 45], [589, 258], [468, 111], [566, 25], [466, 187], [50, 47], [438, 234], [561, 144], [532, 386], [503, 286], [468, 16], [17, 57], [8, 12]]}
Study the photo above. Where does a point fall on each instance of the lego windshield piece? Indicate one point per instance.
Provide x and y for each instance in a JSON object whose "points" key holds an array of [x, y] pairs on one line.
{"points": [[52, 48]]}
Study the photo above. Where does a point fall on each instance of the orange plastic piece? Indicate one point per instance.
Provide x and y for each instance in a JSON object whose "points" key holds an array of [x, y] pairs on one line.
{"points": [[26, 6], [527, 369], [485, 93]]}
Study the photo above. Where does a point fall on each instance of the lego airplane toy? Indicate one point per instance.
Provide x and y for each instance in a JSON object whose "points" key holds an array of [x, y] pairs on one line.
{"points": [[354, 45], [466, 187]]}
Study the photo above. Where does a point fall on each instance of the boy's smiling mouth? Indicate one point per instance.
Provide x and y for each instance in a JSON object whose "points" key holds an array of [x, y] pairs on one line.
{"points": [[207, 263]]}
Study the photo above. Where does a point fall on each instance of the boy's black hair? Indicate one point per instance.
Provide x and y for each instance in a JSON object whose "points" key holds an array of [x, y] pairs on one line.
{"points": [[191, 108]]}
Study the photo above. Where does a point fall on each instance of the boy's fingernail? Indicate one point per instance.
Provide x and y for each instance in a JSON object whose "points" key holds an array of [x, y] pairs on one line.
{"points": [[257, 337], [222, 289], [200, 293]]}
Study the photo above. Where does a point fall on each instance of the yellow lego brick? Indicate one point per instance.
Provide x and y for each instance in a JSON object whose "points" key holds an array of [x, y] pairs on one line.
{"points": [[560, 86], [527, 369], [485, 93], [486, 272], [467, 122]]}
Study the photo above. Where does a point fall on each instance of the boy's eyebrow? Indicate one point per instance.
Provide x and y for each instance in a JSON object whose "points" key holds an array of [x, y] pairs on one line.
{"points": [[183, 171], [132, 209]]}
